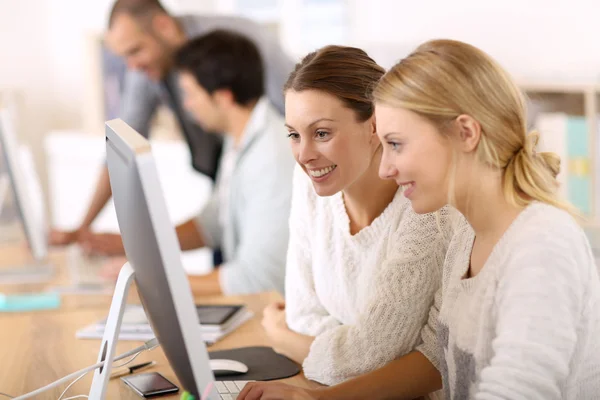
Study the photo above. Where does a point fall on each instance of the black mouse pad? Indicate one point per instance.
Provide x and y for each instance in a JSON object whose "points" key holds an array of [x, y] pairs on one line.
{"points": [[262, 362]]}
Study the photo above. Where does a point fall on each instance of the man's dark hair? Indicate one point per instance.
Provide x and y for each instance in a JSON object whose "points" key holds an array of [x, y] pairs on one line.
{"points": [[138, 9], [224, 60]]}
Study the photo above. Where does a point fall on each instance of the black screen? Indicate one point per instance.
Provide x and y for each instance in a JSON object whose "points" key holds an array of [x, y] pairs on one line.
{"points": [[215, 315], [151, 382]]}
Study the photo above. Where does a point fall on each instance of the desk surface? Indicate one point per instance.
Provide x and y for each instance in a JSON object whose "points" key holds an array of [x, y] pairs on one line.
{"points": [[40, 347]]}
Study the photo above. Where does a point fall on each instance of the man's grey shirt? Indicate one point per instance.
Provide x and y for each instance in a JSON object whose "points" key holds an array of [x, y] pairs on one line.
{"points": [[141, 95]]}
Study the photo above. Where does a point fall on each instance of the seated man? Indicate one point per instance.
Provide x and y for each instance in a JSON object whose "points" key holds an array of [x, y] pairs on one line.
{"points": [[222, 79]]}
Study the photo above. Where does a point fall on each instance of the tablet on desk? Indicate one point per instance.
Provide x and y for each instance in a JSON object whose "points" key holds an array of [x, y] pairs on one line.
{"points": [[150, 384], [217, 314], [216, 321]]}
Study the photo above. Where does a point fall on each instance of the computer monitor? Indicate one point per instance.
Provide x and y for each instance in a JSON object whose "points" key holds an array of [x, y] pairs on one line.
{"points": [[26, 187], [153, 252], [19, 169]]}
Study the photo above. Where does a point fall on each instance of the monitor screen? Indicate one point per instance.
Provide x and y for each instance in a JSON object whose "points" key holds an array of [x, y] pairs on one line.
{"points": [[153, 251], [28, 196]]}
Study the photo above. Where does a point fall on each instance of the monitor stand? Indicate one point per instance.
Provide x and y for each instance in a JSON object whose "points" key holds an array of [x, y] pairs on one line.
{"points": [[111, 333], [111, 337]]}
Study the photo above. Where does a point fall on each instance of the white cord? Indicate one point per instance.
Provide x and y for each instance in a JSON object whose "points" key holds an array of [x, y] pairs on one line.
{"points": [[128, 361], [85, 373], [149, 345], [71, 384]]}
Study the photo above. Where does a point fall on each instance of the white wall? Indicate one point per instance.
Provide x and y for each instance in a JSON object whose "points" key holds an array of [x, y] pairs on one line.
{"points": [[43, 43], [25, 73], [24, 56], [541, 39]]}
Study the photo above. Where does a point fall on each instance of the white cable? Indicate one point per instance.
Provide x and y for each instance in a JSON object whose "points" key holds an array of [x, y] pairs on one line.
{"points": [[71, 384], [85, 373], [128, 361], [149, 345]]}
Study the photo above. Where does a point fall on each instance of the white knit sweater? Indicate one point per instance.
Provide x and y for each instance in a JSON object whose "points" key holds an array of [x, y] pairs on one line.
{"points": [[528, 325], [365, 297]]}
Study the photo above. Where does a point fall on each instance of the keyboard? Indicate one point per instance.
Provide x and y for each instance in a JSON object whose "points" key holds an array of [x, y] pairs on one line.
{"points": [[228, 390]]}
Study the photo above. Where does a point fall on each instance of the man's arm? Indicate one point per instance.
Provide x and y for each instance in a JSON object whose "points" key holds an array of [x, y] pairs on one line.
{"points": [[138, 104], [111, 244], [201, 231], [206, 285], [189, 236], [101, 196]]}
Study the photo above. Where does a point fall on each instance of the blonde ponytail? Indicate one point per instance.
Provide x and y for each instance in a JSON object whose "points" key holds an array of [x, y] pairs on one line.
{"points": [[531, 176]]}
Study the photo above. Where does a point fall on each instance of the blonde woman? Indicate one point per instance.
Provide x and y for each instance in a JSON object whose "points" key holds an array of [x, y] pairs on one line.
{"points": [[518, 316]]}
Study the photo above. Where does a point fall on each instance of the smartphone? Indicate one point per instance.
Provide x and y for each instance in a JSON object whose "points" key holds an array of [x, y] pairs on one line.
{"points": [[150, 384]]}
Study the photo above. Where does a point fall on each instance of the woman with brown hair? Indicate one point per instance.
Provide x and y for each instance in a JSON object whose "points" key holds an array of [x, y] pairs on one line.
{"points": [[362, 266]]}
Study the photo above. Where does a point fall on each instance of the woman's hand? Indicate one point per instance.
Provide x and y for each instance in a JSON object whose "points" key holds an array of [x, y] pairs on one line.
{"points": [[293, 345], [274, 321], [275, 391]]}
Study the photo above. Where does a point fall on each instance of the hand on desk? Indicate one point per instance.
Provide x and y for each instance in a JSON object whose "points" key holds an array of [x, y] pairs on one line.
{"points": [[107, 244], [274, 321], [64, 238], [291, 344], [275, 391]]}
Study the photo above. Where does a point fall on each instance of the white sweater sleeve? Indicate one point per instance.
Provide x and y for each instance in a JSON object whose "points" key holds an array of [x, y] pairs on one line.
{"points": [[451, 221], [395, 310], [539, 303], [304, 312], [429, 346]]}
